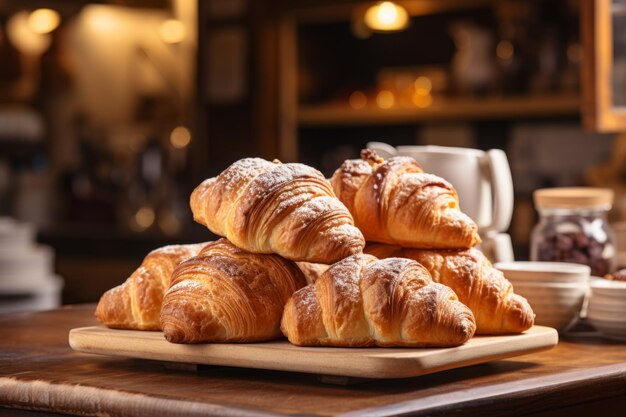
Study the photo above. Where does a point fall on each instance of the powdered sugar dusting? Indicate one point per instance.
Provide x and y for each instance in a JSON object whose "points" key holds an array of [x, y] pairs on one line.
{"points": [[187, 285], [346, 229], [346, 275], [384, 266], [423, 180], [356, 167], [312, 208], [306, 300], [141, 274], [185, 251], [240, 172], [283, 173]]}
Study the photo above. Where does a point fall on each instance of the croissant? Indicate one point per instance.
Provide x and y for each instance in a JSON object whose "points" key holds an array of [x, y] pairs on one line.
{"points": [[395, 202], [312, 271], [270, 207], [363, 301], [484, 289], [226, 294], [136, 304]]}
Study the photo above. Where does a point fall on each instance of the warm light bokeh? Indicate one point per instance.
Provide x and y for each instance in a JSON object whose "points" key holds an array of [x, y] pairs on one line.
{"points": [[357, 100], [505, 50], [386, 16], [43, 21], [180, 137], [101, 18], [144, 218], [172, 31], [422, 100], [24, 38], [423, 86], [385, 99]]}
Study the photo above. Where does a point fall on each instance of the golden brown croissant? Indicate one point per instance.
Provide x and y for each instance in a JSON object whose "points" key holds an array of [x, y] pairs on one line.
{"points": [[363, 301], [227, 294], [478, 284], [270, 207], [136, 304], [395, 202], [312, 271]]}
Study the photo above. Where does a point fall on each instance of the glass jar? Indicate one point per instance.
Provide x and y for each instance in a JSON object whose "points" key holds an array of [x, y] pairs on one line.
{"points": [[573, 227]]}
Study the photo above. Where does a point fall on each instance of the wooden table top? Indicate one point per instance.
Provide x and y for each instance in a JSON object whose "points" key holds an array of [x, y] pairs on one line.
{"points": [[39, 371]]}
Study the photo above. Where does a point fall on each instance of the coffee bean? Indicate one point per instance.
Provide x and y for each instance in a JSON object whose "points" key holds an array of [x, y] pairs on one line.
{"points": [[576, 247]]}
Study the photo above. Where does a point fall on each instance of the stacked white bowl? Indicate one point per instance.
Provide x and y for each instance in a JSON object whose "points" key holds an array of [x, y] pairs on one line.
{"points": [[607, 307], [556, 291], [27, 281]]}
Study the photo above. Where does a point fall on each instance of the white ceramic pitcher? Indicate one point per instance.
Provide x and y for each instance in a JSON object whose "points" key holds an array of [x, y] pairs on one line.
{"points": [[482, 179]]}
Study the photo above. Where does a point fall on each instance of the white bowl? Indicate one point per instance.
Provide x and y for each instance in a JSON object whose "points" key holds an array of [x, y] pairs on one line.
{"points": [[555, 304], [613, 330], [607, 288], [606, 316], [544, 271], [545, 307], [608, 301], [615, 326], [612, 309], [550, 291]]}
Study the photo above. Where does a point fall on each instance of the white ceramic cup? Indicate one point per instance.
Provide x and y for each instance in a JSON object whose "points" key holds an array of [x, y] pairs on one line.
{"points": [[497, 247], [482, 179]]}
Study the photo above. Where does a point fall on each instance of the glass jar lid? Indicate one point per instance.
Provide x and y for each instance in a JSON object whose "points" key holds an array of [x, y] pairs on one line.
{"points": [[573, 198]]}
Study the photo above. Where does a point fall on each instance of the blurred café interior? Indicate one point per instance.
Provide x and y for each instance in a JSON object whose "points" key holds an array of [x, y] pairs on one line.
{"points": [[112, 111]]}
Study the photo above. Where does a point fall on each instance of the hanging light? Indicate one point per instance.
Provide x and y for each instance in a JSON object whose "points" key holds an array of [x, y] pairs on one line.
{"points": [[42, 21], [386, 16], [24, 38], [101, 19]]}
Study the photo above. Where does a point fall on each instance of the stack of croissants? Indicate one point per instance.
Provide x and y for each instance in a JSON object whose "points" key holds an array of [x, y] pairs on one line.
{"points": [[294, 261]]}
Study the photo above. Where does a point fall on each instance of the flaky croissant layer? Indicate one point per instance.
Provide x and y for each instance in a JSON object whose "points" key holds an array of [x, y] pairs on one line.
{"points": [[270, 207], [395, 202], [484, 289], [226, 294], [136, 304], [363, 301]]}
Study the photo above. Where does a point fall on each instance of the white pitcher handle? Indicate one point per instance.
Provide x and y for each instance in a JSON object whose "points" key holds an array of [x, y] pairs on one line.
{"points": [[502, 190], [383, 149]]}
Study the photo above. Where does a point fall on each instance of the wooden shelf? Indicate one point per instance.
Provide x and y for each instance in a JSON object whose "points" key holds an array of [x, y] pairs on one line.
{"points": [[442, 109]]}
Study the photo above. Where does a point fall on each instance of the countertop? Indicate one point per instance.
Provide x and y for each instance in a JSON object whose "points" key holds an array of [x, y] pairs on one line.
{"points": [[584, 374]]}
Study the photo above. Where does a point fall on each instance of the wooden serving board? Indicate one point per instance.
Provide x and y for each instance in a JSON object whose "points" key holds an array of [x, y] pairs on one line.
{"points": [[283, 356]]}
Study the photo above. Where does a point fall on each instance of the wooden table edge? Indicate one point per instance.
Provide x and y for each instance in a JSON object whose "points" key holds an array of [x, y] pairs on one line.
{"points": [[85, 400], [611, 377]]}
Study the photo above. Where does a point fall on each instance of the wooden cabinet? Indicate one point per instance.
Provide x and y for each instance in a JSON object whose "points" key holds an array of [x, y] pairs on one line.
{"points": [[323, 59], [603, 29]]}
